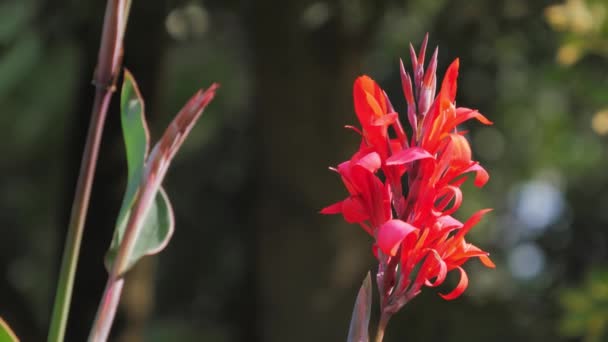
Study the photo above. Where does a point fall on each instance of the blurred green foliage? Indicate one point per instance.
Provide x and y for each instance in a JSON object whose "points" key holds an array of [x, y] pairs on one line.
{"points": [[584, 28], [546, 154], [586, 308]]}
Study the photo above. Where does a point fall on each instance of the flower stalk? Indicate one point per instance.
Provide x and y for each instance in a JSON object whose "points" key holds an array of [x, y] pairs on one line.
{"points": [[106, 73], [384, 318]]}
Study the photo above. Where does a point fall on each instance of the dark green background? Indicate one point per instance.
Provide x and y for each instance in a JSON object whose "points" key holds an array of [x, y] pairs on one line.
{"points": [[251, 258]]}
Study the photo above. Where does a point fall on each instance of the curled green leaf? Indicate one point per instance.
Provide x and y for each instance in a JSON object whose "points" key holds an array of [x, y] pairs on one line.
{"points": [[145, 222]]}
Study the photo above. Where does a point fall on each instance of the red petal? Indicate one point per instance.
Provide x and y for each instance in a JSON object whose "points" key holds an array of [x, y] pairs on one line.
{"points": [[461, 148], [374, 105], [368, 98], [406, 85], [375, 251], [487, 261], [481, 175], [335, 208], [460, 288], [443, 271], [415, 66], [423, 49], [430, 72], [448, 221], [390, 235], [445, 196], [408, 155], [471, 253], [448, 86], [353, 210], [370, 162], [458, 182], [384, 120], [463, 114], [472, 221], [426, 90]]}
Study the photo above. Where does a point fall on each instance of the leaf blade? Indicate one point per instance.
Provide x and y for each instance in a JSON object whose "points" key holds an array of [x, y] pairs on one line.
{"points": [[158, 219], [145, 223], [359, 323], [6, 333]]}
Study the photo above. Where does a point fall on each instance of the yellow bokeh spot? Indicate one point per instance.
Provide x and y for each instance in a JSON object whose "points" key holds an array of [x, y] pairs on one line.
{"points": [[599, 123], [568, 54], [556, 16], [580, 16], [576, 16]]}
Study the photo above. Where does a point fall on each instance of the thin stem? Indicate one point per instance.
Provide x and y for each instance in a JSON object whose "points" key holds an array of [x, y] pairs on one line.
{"points": [[384, 318], [108, 67], [107, 310], [80, 206]]}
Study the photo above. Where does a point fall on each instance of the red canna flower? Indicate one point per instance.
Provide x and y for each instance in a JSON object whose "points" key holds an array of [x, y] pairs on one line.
{"points": [[369, 198], [416, 229]]}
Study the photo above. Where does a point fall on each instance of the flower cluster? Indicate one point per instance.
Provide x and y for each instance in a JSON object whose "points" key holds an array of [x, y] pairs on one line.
{"points": [[417, 240]]}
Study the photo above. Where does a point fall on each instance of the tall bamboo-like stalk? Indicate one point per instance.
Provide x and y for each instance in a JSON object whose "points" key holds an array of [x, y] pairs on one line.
{"points": [[106, 73]]}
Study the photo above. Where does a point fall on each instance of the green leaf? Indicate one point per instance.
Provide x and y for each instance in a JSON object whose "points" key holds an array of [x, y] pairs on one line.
{"points": [[6, 334], [158, 223], [359, 323]]}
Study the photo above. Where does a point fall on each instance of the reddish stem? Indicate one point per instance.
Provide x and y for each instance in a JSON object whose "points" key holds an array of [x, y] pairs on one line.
{"points": [[108, 67], [107, 310]]}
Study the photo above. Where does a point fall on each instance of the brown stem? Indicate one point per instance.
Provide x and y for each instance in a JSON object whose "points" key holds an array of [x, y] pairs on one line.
{"points": [[384, 318]]}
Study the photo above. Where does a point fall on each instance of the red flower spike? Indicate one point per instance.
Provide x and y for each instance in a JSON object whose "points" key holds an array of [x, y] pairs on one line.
{"points": [[416, 229]]}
